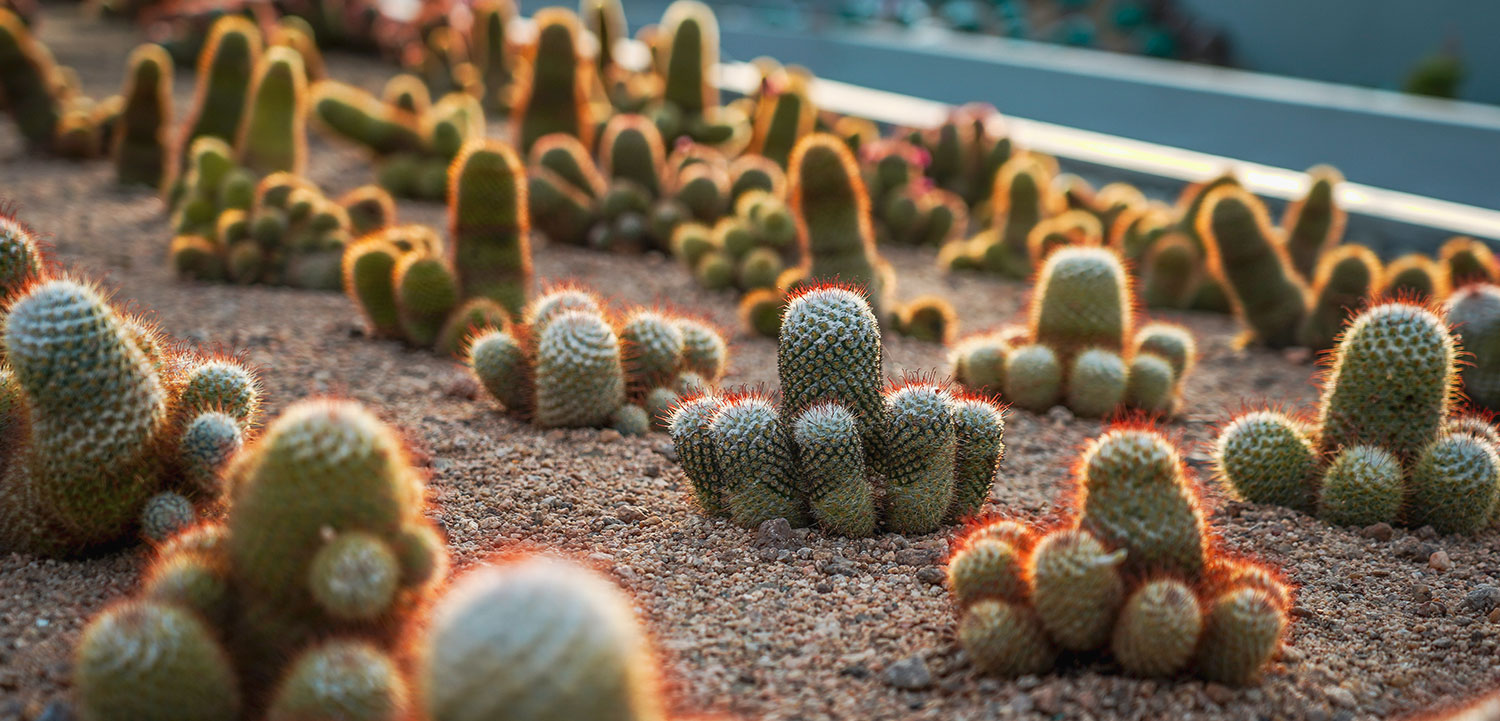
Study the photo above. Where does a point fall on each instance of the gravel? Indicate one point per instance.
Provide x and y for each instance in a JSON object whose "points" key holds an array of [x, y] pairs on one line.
{"points": [[772, 623]]}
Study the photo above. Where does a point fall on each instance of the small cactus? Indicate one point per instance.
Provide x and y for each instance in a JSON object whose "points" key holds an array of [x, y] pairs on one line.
{"points": [[556, 100], [1343, 280], [489, 226], [1414, 276], [1314, 224], [1250, 260], [833, 220], [1467, 261], [27, 70], [141, 659], [1128, 566], [273, 134], [139, 144]]}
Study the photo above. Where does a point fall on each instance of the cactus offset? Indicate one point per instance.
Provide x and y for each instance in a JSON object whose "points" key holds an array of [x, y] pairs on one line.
{"points": [[273, 135], [833, 220], [1314, 224], [556, 100]]}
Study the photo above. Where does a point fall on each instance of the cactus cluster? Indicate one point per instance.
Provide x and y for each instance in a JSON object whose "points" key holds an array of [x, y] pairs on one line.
{"points": [[1387, 445], [409, 284], [280, 230], [686, 53], [569, 362], [412, 139], [1129, 568], [293, 607], [966, 154], [113, 429], [841, 449], [44, 99], [1082, 347], [906, 205]]}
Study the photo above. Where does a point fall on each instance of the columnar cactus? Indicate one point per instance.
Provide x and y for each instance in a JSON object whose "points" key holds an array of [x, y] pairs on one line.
{"points": [[1466, 261], [1081, 346], [1251, 261], [840, 450], [1415, 276], [324, 555], [489, 225], [1474, 312], [27, 75], [833, 221], [493, 55], [273, 135], [689, 105], [1023, 197], [566, 363], [556, 99], [139, 145], [1345, 277], [1314, 224], [1386, 446], [96, 403], [783, 116], [1128, 567]]}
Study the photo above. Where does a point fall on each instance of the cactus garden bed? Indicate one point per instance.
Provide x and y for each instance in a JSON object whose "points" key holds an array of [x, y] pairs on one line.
{"points": [[772, 622]]}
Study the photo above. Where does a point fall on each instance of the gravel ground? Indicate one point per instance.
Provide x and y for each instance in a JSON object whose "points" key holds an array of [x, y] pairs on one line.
{"points": [[756, 624]]}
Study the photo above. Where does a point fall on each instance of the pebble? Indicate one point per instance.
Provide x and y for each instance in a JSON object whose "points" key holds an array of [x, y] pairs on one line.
{"points": [[1380, 531], [1483, 599], [1440, 562], [775, 532], [910, 673], [932, 575], [609, 435], [914, 557], [1340, 696], [57, 711]]}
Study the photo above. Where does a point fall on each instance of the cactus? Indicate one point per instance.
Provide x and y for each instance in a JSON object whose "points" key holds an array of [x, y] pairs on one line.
{"points": [[1033, 377], [1399, 452], [1251, 262], [1169, 277], [226, 67], [370, 208], [1098, 381], [579, 377], [904, 458], [26, 72], [1473, 311], [476, 667], [689, 103], [273, 134], [488, 222], [1345, 278], [1414, 276], [783, 117], [929, 318], [1314, 224], [1123, 568], [141, 659], [556, 100], [1467, 261], [833, 220], [492, 53], [1083, 300], [139, 143], [352, 679], [631, 149], [1022, 198]]}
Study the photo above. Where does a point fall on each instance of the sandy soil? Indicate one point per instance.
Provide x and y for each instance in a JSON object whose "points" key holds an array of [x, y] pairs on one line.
{"points": [[804, 627]]}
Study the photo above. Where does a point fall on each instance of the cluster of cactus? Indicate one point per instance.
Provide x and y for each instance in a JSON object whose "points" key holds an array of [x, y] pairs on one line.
{"points": [[280, 230], [569, 363], [686, 53], [636, 195], [1022, 197], [294, 606], [409, 284], [111, 427], [412, 138], [964, 155], [907, 207], [1081, 347], [44, 98], [841, 449], [1129, 568], [1461, 261], [1387, 445], [749, 250]]}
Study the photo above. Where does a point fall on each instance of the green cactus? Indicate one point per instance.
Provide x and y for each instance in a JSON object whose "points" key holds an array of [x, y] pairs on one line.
{"points": [[1314, 224], [692, 436], [1032, 377], [979, 430], [1454, 484], [979, 362], [1097, 383], [192, 580], [703, 349], [1242, 630], [918, 459], [755, 454], [501, 365], [631, 149], [1345, 278], [165, 514], [488, 222], [470, 317], [1082, 300], [369, 271], [653, 347], [1362, 486], [273, 135], [579, 374], [833, 220], [142, 659], [1473, 311], [1170, 273], [597, 659], [370, 208], [817, 363], [559, 210], [27, 72], [1252, 264], [492, 52], [139, 143], [760, 311], [566, 158], [783, 118], [1416, 277], [830, 448], [206, 445], [1076, 588], [20, 256], [426, 293], [1267, 457], [358, 116], [1135, 497], [691, 52], [1005, 639], [929, 318], [988, 568], [1021, 200], [556, 100], [1391, 382], [1466, 260], [1158, 629], [351, 680], [1150, 385]]}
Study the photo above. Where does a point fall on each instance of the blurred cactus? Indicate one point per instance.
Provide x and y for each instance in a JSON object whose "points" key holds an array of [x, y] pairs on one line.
{"points": [[1251, 261], [1474, 312], [689, 104], [556, 98], [273, 135], [1314, 224], [139, 144], [493, 56], [1415, 276], [489, 225], [1345, 278], [1128, 566], [1384, 425], [833, 221], [837, 442], [1466, 261]]}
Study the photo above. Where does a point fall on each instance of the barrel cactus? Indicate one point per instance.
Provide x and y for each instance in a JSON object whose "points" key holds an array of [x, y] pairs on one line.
{"points": [[1127, 568], [842, 449]]}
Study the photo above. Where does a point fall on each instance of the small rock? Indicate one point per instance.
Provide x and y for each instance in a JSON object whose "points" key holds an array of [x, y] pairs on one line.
{"points": [[609, 435], [1048, 700], [932, 575], [839, 568], [1380, 531], [909, 673], [1022, 704], [631, 514], [1218, 693], [1340, 696], [914, 557], [1495, 616], [1483, 599], [1427, 533], [775, 532], [1060, 415], [1297, 354], [1421, 593], [1440, 562], [1411, 549]]}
